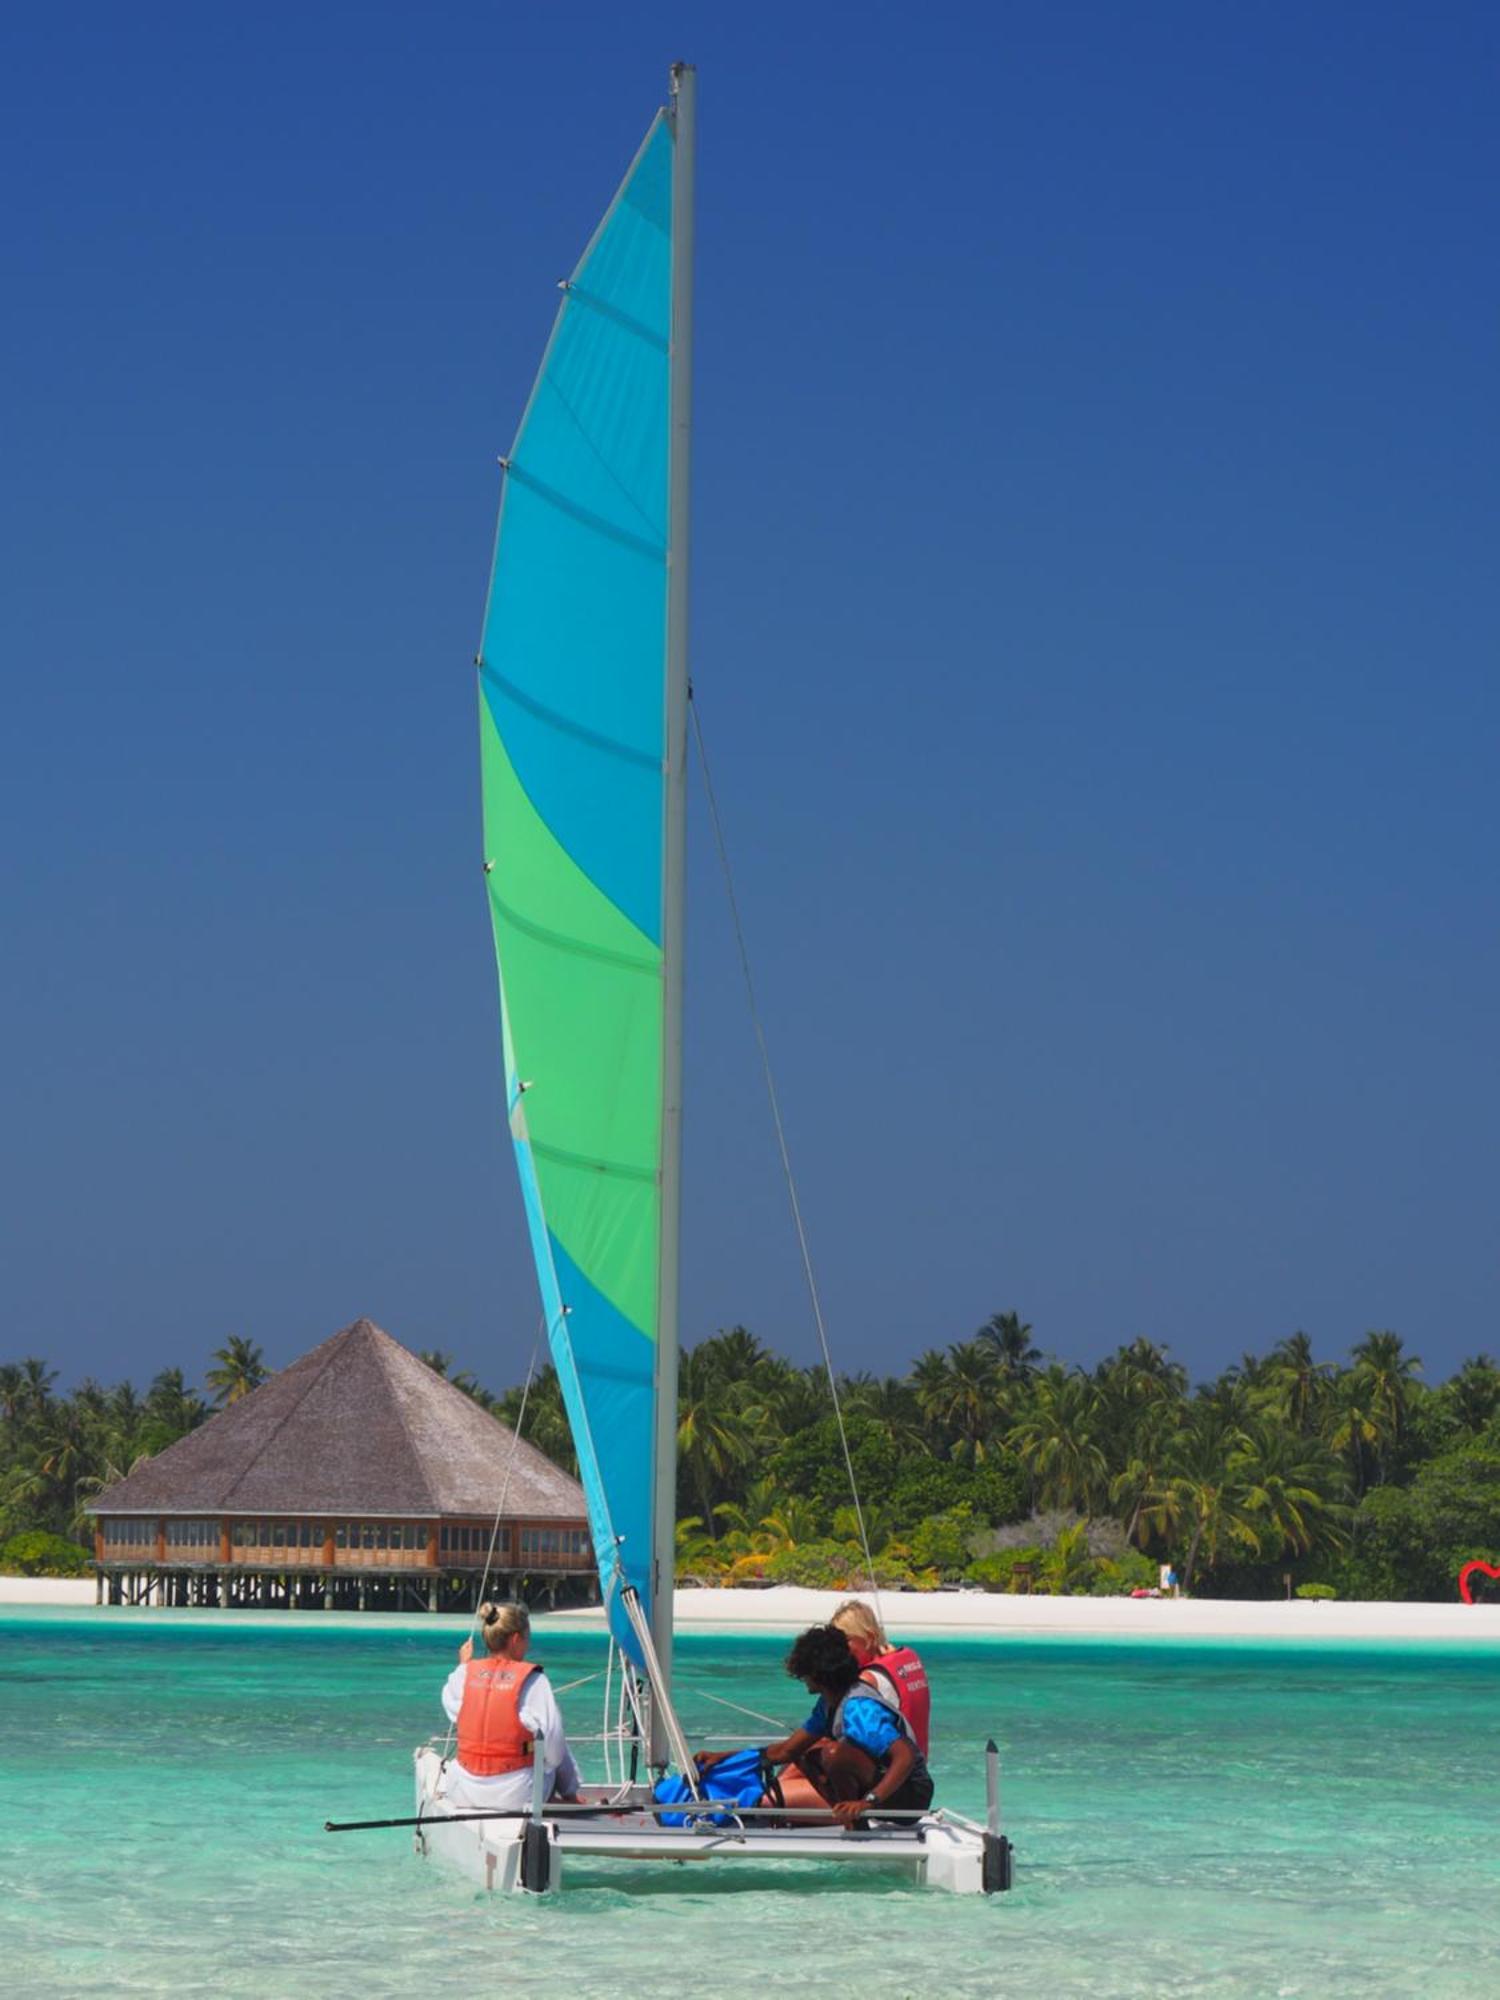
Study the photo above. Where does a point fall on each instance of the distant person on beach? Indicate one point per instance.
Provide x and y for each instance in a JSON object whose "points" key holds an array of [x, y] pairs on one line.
{"points": [[896, 1668], [501, 1703], [856, 1753]]}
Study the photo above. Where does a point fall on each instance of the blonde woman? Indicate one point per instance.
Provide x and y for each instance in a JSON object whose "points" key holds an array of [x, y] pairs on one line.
{"points": [[895, 1670], [501, 1703]]}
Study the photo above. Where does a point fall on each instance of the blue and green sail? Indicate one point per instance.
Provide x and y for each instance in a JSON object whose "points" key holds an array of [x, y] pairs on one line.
{"points": [[571, 717]]}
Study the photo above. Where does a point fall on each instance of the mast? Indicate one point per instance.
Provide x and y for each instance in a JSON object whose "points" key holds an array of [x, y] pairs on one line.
{"points": [[664, 1513]]}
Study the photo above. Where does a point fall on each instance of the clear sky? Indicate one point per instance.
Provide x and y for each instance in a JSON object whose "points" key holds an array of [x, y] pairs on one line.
{"points": [[1095, 612]]}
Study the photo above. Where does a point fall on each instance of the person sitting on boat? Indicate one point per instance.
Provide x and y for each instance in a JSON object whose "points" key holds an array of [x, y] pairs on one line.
{"points": [[856, 1752], [501, 1703], [896, 1668]]}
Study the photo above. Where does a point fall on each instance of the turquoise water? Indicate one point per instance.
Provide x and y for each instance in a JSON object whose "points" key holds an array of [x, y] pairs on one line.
{"points": [[1231, 1819]]}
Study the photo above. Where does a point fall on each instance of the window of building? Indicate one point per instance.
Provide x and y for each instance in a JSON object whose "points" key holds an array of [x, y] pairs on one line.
{"points": [[128, 1534], [192, 1534]]}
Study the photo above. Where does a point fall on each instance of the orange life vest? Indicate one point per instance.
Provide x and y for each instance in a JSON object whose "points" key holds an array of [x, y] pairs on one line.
{"points": [[492, 1739], [907, 1677]]}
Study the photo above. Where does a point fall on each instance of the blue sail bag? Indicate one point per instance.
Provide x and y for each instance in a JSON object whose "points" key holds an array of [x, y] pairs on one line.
{"points": [[741, 1780]]}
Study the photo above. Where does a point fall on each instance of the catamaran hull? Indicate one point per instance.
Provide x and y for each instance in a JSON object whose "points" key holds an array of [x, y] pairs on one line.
{"points": [[514, 1856]]}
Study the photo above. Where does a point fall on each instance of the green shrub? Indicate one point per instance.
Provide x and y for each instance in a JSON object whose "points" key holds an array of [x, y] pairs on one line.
{"points": [[816, 1566], [811, 1463], [35, 1552], [1115, 1575], [998, 1572], [1317, 1593], [942, 1543], [995, 1490]]}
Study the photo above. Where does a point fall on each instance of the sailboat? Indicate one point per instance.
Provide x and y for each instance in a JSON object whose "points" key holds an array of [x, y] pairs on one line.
{"points": [[583, 716]]}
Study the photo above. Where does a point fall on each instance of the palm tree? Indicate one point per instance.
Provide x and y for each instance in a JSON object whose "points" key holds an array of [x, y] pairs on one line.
{"points": [[1387, 1371], [929, 1388], [1288, 1489], [891, 1402], [1010, 1336], [1139, 1481], [1058, 1440], [1068, 1565], [959, 1391], [171, 1411], [545, 1423], [1356, 1426], [1300, 1382], [1474, 1392], [436, 1360], [734, 1356], [790, 1523], [1206, 1490], [12, 1390], [241, 1370], [34, 1391], [718, 1430], [879, 1520]]}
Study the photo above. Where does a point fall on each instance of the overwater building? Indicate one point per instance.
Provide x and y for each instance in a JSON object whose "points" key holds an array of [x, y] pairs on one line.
{"points": [[356, 1478]]}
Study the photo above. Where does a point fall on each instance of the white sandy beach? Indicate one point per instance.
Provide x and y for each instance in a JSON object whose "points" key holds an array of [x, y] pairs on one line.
{"points": [[46, 1590], [956, 1613]]}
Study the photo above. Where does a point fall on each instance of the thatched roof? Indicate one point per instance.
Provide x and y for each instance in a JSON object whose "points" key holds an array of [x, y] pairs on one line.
{"points": [[358, 1426]]}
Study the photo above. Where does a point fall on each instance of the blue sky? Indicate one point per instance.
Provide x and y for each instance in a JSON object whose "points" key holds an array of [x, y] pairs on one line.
{"points": [[1094, 633]]}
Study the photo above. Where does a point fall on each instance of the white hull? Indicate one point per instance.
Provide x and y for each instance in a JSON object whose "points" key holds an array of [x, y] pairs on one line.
{"points": [[936, 1852]]}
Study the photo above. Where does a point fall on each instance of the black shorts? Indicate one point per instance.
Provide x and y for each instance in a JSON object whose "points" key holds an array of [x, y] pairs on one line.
{"points": [[914, 1796]]}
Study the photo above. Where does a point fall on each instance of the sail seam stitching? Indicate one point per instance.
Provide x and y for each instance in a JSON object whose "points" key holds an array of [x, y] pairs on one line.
{"points": [[626, 751], [563, 1158], [578, 947], [654, 552]]}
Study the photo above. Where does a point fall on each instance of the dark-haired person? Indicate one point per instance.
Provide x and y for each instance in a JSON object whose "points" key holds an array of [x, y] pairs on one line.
{"points": [[856, 1750]]}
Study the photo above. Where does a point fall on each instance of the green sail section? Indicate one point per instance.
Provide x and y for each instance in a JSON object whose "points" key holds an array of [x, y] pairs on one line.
{"points": [[583, 1019]]}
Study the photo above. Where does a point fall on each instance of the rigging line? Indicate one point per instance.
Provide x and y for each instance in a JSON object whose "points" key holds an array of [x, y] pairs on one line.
{"points": [[786, 1158], [582, 1681], [754, 1713], [515, 1445]]}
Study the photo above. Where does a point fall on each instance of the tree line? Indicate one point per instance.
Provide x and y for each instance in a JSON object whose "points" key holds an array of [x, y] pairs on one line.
{"points": [[988, 1462]]}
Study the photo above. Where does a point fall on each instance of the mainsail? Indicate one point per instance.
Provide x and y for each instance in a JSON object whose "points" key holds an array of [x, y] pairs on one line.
{"points": [[582, 693]]}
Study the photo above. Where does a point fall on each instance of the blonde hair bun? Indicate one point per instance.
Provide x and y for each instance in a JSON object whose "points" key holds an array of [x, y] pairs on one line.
{"points": [[499, 1622]]}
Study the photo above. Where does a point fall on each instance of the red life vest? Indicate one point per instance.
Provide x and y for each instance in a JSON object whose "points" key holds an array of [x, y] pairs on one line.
{"points": [[907, 1678], [491, 1736]]}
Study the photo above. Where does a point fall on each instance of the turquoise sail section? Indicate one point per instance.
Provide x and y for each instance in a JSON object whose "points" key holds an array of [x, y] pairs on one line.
{"points": [[575, 639], [572, 707]]}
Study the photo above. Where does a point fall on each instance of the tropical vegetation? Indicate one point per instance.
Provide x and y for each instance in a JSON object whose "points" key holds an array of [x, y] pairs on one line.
{"points": [[989, 1463]]}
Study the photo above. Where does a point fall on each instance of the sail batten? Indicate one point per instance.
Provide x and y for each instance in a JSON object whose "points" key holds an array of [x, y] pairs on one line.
{"points": [[571, 703]]}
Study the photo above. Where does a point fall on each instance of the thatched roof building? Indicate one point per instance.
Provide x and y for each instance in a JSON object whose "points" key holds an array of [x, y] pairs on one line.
{"points": [[357, 1462]]}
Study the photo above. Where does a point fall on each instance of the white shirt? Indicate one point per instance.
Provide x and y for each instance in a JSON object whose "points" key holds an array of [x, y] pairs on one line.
{"points": [[511, 1790]]}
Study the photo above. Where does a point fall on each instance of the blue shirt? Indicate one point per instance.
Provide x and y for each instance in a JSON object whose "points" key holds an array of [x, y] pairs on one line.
{"points": [[865, 1722]]}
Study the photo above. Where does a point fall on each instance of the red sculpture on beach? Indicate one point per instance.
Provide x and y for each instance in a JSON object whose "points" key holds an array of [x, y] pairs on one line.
{"points": [[1468, 1570]]}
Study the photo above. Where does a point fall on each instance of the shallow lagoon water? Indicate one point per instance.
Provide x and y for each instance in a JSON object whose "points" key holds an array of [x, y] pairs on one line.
{"points": [[1228, 1819]]}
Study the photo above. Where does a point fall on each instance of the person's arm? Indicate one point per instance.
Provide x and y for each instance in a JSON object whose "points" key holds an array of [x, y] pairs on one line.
{"points": [[892, 1778], [787, 1751], [790, 1748], [540, 1714], [453, 1692]]}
